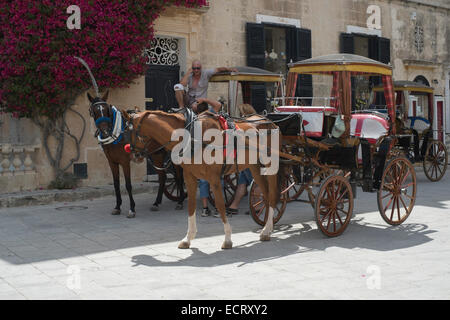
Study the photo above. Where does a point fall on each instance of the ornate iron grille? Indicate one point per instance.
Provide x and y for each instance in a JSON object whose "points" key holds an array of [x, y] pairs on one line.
{"points": [[163, 51], [418, 38]]}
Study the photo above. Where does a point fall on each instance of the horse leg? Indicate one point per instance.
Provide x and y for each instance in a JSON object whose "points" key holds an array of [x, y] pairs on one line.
{"points": [[162, 182], [264, 186], [191, 185], [127, 174], [115, 172], [273, 196], [216, 187], [180, 186]]}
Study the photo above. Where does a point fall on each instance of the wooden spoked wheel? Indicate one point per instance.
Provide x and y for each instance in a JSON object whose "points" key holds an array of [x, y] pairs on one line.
{"points": [[258, 209], [292, 186], [295, 189], [229, 188], [397, 192], [316, 181], [334, 205], [435, 161], [171, 190]]}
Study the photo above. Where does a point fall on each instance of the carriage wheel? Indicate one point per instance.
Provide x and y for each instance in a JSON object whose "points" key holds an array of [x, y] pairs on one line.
{"points": [[315, 184], [436, 160], [294, 187], [170, 189], [229, 188], [258, 209], [397, 192], [334, 205]]}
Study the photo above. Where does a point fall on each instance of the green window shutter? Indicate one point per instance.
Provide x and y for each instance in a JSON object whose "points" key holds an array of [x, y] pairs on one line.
{"points": [[347, 43], [255, 45]]}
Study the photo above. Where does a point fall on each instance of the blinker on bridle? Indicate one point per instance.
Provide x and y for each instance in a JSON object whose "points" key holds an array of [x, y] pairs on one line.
{"points": [[102, 118]]}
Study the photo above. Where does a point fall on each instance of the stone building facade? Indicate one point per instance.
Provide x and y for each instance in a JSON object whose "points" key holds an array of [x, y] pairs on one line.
{"points": [[413, 35]]}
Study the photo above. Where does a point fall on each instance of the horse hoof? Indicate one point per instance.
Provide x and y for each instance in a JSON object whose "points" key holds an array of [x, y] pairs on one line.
{"points": [[115, 212], [179, 206], [184, 245], [131, 214], [264, 237], [154, 208], [227, 245]]}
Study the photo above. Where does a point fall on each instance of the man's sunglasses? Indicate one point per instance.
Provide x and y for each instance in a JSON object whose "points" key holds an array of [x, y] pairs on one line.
{"points": [[196, 68]]}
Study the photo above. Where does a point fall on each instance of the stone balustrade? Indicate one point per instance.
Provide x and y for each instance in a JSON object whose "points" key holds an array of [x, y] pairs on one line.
{"points": [[17, 167]]}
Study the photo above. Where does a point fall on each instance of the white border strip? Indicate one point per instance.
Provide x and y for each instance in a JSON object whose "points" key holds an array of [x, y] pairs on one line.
{"points": [[279, 20], [356, 29]]}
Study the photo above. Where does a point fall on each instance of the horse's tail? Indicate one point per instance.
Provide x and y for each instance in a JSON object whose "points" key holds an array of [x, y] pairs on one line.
{"points": [[94, 83]]}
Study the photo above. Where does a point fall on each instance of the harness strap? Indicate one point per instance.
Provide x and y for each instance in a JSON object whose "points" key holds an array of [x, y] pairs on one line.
{"points": [[116, 134]]}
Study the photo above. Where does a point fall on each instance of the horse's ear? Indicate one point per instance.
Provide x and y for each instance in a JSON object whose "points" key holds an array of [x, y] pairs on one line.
{"points": [[105, 96], [90, 97], [126, 115], [137, 109]]}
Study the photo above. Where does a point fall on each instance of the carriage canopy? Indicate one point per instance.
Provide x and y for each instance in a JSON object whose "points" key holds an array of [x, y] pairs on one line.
{"points": [[342, 67], [245, 76]]}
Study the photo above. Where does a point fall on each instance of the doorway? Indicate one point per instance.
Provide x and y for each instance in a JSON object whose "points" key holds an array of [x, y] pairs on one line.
{"points": [[159, 82], [164, 56]]}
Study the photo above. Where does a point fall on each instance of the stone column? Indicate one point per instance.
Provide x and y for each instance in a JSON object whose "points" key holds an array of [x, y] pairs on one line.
{"points": [[6, 150], [17, 162], [28, 162]]}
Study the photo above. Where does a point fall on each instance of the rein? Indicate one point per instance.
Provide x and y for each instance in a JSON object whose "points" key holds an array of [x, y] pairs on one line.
{"points": [[144, 150]]}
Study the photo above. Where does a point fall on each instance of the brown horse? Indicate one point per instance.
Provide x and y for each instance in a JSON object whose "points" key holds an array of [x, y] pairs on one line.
{"points": [[113, 147], [159, 126], [116, 155]]}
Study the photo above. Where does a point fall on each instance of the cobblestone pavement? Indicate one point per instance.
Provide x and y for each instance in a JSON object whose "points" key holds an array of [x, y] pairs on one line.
{"points": [[78, 250]]}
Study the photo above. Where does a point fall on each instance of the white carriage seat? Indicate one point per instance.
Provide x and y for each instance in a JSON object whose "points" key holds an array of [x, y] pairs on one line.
{"points": [[368, 126], [417, 123], [313, 117]]}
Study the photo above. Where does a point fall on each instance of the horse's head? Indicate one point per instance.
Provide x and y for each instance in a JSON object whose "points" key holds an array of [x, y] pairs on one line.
{"points": [[102, 114], [137, 142], [150, 131]]}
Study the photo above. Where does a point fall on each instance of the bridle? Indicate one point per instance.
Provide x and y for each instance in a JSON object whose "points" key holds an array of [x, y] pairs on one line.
{"points": [[102, 118], [135, 135], [113, 118]]}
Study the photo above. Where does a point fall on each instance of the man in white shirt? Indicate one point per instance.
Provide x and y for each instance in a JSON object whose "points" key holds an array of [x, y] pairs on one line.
{"points": [[196, 80]]}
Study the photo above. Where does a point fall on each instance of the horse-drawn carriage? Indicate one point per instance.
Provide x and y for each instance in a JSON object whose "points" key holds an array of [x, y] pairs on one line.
{"points": [[337, 158], [327, 153], [420, 121]]}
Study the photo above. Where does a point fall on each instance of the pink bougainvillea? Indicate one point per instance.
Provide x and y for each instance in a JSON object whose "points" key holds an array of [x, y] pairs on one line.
{"points": [[38, 74]]}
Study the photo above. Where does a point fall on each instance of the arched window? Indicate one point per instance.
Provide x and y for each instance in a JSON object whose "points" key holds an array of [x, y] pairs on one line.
{"points": [[422, 80]]}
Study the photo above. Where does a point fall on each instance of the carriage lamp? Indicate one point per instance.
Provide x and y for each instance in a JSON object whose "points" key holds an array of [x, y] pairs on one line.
{"points": [[127, 148]]}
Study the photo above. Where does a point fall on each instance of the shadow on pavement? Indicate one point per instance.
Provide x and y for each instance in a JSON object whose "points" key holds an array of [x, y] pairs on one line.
{"points": [[287, 240]]}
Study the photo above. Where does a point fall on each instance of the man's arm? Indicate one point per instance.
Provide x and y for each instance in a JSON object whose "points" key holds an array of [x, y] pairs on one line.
{"points": [[184, 80], [213, 103]]}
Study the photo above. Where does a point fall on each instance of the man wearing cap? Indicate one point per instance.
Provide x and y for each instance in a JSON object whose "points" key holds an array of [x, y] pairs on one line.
{"points": [[196, 80]]}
